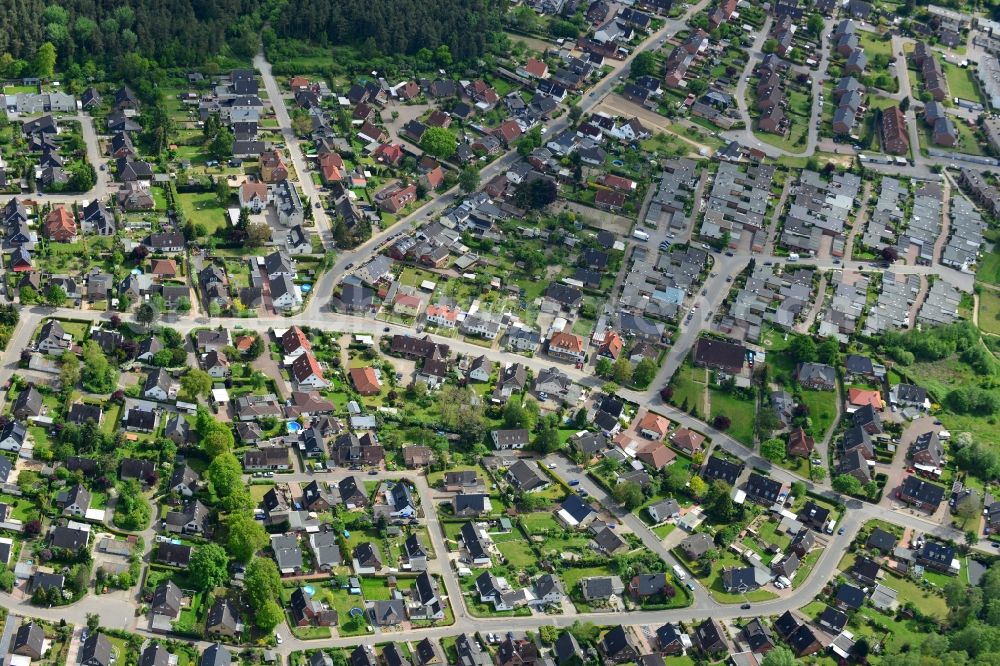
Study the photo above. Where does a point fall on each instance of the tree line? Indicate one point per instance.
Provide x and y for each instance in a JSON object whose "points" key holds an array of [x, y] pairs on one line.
{"points": [[100, 38]]}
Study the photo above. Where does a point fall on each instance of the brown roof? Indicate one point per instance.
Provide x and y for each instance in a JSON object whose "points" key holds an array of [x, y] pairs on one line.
{"points": [[563, 340], [654, 423], [163, 267], [365, 381], [609, 198], [686, 439], [655, 454], [536, 68], [305, 366], [293, 339], [59, 223]]}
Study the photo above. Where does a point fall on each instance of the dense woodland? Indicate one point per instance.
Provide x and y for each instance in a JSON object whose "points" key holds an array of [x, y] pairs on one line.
{"points": [[114, 36], [395, 26]]}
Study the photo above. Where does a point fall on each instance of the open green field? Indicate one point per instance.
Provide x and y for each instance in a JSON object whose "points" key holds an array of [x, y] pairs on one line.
{"points": [[822, 410], [988, 269], [989, 311], [740, 413], [203, 208], [874, 44], [967, 142], [689, 387], [939, 377], [961, 83], [517, 552], [981, 429]]}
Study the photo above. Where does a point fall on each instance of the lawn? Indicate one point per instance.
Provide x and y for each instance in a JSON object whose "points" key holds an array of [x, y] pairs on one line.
{"points": [[571, 576], [896, 633], [378, 588], [109, 423], [874, 45], [980, 428], [23, 509], [967, 142], [203, 208], [767, 533], [518, 553], [988, 269], [689, 387], [663, 531], [961, 83], [805, 568], [340, 600], [740, 413], [540, 522], [941, 376], [822, 411], [989, 311], [78, 329], [927, 601]]}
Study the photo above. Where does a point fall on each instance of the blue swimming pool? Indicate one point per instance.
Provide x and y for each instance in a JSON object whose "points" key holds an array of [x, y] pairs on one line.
{"points": [[310, 589], [294, 427], [306, 288]]}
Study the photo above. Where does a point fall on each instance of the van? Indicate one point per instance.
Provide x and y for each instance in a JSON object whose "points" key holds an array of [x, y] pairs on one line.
{"points": [[829, 527], [639, 234], [679, 572], [793, 256]]}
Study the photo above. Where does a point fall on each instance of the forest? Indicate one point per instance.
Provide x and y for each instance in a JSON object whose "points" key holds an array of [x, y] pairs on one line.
{"points": [[95, 37], [467, 27]]}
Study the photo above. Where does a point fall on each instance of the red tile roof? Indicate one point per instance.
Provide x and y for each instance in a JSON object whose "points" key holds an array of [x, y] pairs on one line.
{"points": [[365, 381]]}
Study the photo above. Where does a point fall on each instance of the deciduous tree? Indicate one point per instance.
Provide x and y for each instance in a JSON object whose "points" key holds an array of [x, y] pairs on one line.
{"points": [[209, 567]]}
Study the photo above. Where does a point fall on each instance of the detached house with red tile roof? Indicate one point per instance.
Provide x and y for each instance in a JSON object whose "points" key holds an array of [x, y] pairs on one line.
{"points": [[331, 167], [253, 195], [365, 382], [163, 268], [272, 167], [434, 178], [611, 347], [567, 346], [306, 371], [800, 444], [60, 226], [857, 397], [407, 304], [395, 197], [388, 153], [655, 454], [442, 315], [653, 426], [618, 183], [534, 69], [482, 94], [371, 133], [508, 131], [687, 440]]}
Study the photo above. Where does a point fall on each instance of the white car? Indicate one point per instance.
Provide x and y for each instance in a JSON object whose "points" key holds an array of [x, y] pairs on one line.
{"points": [[278, 638], [551, 465]]}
